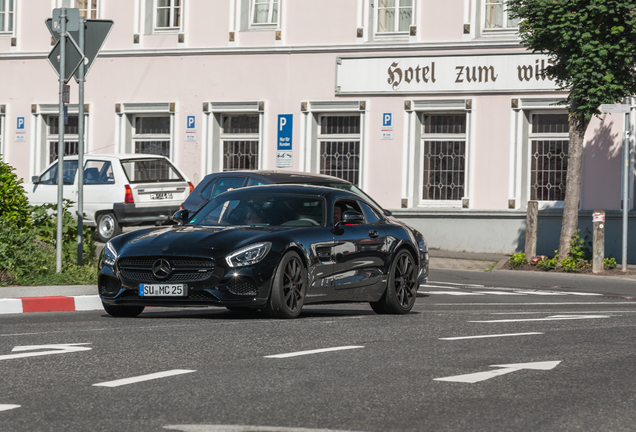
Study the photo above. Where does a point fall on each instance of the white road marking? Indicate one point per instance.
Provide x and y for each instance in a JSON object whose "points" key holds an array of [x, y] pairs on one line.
{"points": [[490, 336], [482, 376], [564, 313], [455, 293], [535, 304], [142, 378], [544, 293], [438, 286], [242, 428], [500, 292], [550, 318], [316, 351], [458, 284], [56, 349], [8, 407], [582, 294]]}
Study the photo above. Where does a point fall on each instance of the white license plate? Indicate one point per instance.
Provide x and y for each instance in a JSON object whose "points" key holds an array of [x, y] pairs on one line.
{"points": [[159, 290], [161, 196]]}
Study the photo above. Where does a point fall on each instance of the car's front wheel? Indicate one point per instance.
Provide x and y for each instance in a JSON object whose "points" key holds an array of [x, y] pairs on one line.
{"points": [[288, 288], [107, 227], [123, 311], [401, 290]]}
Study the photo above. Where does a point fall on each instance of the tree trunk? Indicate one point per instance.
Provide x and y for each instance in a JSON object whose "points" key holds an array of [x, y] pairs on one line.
{"points": [[573, 182]]}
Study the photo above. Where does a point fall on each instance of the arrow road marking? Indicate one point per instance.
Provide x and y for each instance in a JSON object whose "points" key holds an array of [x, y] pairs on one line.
{"points": [[141, 378], [490, 336], [56, 349], [8, 407], [299, 353], [505, 369], [550, 318]]}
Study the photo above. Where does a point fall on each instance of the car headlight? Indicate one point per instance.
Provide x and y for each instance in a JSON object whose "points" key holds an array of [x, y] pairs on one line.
{"points": [[109, 255], [248, 255]]}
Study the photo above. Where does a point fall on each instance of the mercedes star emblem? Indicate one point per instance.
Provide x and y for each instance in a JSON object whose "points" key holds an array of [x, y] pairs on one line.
{"points": [[161, 269]]}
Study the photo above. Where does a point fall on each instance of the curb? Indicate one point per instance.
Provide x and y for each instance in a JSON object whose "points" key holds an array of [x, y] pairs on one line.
{"points": [[50, 304]]}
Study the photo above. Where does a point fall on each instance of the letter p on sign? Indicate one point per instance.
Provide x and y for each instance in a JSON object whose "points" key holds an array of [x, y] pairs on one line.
{"points": [[20, 125], [191, 122], [387, 119]]}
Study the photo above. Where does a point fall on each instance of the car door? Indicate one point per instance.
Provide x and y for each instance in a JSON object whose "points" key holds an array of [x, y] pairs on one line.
{"points": [[99, 185], [359, 256], [45, 190]]}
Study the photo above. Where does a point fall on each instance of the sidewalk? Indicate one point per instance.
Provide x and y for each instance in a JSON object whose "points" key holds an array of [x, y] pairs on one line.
{"points": [[20, 299]]}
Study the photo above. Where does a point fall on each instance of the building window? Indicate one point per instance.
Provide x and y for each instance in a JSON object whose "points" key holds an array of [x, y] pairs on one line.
{"points": [[444, 156], [70, 136], [394, 16], [265, 12], [151, 135], [549, 141], [6, 16], [339, 146], [496, 16], [167, 14], [87, 8], [240, 141]]}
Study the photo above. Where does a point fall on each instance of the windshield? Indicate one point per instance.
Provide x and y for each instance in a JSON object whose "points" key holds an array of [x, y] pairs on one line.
{"points": [[258, 209]]}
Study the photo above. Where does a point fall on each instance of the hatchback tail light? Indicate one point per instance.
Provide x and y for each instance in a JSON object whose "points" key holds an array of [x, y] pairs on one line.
{"points": [[129, 196], [191, 186]]}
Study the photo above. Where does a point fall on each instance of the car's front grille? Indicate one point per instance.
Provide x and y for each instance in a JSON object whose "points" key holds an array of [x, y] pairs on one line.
{"points": [[242, 288], [183, 269]]}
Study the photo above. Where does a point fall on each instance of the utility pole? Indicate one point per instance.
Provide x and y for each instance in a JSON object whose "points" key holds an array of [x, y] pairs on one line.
{"points": [[60, 145], [80, 149], [626, 157]]}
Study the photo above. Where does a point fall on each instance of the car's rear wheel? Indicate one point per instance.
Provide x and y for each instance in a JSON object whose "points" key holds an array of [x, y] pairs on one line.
{"points": [[288, 288], [123, 311], [107, 227], [401, 290]]}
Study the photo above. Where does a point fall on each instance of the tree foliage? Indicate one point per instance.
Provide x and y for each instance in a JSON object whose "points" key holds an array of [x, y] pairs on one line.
{"points": [[14, 205]]}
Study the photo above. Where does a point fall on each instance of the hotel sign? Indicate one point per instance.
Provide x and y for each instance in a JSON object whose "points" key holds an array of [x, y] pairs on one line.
{"points": [[501, 73]]}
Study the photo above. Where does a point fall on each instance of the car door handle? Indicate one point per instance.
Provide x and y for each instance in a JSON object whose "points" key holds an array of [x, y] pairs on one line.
{"points": [[373, 234]]}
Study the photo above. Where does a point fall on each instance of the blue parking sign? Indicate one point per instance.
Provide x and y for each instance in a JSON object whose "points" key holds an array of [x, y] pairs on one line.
{"points": [[285, 127], [20, 124], [387, 120], [191, 123]]}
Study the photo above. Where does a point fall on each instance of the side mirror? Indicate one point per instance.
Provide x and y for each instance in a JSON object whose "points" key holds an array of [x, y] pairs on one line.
{"points": [[351, 217], [35, 179], [181, 217]]}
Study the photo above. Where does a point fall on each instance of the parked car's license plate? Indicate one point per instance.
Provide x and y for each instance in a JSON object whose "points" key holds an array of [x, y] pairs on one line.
{"points": [[161, 196], [158, 290]]}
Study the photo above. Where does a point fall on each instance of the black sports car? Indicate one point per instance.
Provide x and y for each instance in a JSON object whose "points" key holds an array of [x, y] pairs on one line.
{"points": [[274, 248]]}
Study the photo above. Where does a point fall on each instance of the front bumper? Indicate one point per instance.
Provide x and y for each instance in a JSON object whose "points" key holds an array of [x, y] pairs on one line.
{"points": [[132, 214]]}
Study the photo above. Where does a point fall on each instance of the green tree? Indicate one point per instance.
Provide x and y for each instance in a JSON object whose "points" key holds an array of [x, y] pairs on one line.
{"points": [[14, 205], [593, 46]]}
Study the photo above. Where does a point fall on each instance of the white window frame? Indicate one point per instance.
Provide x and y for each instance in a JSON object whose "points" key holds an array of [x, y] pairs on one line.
{"points": [[172, 8], [212, 148], [413, 151], [89, 9], [269, 24], [3, 133], [240, 137], [399, 35], [309, 148], [475, 19], [320, 138], [139, 137], [9, 18]]}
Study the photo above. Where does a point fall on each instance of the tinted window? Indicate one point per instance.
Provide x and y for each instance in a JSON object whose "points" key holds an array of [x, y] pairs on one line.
{"points": [[150, 170], [50, 176], [255, 182], [225, 184], [369, 214], [98, 172], [207, 191], [260, 209]]}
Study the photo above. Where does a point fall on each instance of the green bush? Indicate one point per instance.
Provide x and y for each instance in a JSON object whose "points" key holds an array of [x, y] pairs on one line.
{"points": [[14, 205], [549, 264], [517, 260], [609, 263], [569, 264]]}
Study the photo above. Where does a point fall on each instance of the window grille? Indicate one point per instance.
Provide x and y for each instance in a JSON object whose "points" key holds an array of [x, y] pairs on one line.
{"points": [[340, 147], [444, 154], [549, 142], [70, 136], [240, 140]]}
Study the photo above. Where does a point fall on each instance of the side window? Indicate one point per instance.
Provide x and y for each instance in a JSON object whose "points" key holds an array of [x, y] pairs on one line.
{"points": [[342, 206], [225, 184], [98, 172], [255, 182], [207, 191], [50, 176], [369, 214]]}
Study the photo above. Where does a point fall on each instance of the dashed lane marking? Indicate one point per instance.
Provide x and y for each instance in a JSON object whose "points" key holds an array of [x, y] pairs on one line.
{"points": [[491, 336], [316, 351], [142, 378], [457, 284], [242, 428], [550, 318], [8, 407]]}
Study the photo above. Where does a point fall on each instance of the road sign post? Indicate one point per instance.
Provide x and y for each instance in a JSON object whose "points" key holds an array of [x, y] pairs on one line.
{"points": [[80, 150], [60, 142]]}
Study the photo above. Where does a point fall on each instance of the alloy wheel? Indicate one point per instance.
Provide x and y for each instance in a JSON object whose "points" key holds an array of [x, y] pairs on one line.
{"points": [[293, 284], [404, 279]]}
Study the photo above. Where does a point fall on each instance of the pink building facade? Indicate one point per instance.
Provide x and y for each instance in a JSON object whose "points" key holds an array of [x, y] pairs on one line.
{"points": [[433, 108]]}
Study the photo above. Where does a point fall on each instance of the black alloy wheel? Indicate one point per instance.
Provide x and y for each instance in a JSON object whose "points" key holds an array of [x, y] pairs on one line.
{"points": [[401, 290], [123, 311], [288, 288]]}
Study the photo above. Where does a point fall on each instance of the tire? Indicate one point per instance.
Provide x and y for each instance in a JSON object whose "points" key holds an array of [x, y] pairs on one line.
{"points": [[288, 288], [401, 289], [107, 227], [123, 311]]}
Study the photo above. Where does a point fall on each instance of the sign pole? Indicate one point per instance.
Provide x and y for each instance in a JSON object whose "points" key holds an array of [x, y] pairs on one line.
{"points": [[60, 145], [80, 150], [626, 156]]}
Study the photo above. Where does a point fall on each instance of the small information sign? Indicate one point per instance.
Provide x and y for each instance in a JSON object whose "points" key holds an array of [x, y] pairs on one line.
{"points": [[191, 129], [387, 126], [615, 108], [598, 217], [20, 130], [284, 147]]}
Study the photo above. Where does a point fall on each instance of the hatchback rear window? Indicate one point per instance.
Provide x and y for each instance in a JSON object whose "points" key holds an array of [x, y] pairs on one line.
{"points": [[150, 171]]}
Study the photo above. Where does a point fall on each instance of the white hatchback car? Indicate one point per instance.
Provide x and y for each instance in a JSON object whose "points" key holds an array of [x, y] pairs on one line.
{"points": [[119, 190]]}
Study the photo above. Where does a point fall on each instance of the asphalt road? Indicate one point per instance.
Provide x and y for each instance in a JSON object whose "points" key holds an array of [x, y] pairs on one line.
{"points": [[479, 352]]}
